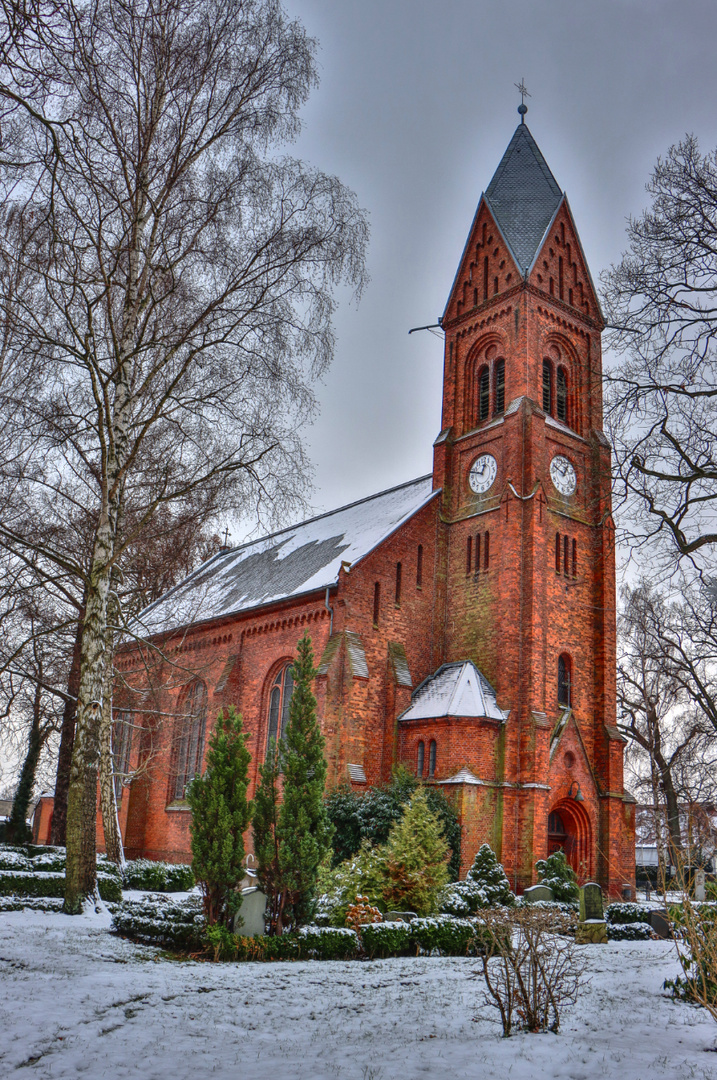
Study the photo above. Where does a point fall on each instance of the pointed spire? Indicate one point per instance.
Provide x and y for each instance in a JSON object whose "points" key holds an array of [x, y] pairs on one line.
{"points": [[523, 195]]}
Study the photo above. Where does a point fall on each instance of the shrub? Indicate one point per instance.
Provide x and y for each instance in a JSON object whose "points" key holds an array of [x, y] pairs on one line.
{"points": [[220, 816], [416, 856], [157, 876], [530, 982], [362, 913], [362, 875], [328, 943], [696, 938], [632, 931], [161, 921], [557, 874], [39, 903], [370, 816], [626, 913], [381, 940], [17, 883]]}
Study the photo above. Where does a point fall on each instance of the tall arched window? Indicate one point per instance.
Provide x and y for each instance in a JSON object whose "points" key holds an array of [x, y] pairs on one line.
{"points": [[419, 567], [483, 394], [548, 387], [190, 737], [557, 553], [564, 680], [432, 758], [499, 380], [561, 395], [420, 758], [279, 698], [121, 749]]}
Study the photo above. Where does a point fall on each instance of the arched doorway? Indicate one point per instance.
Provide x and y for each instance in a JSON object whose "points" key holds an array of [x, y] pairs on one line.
{"points": [[569, 831]]}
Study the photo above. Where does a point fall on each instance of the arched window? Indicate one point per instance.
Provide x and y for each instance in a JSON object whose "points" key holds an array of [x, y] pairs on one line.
{"points": [[575, 558], [469, 554], [566, 556], [398, 584], [486, 551], [432, 758], [279, 698], [420, 758], [190, 738], [376, 602], [548, 387], [121, 748], [561, 395], [499, 380], [564, 680], [557, 553], [477, 553], [483, 394], [419, 567]]}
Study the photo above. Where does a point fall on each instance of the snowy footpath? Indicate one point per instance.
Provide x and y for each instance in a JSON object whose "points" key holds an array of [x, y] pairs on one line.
{"points": [[75, 1000]]}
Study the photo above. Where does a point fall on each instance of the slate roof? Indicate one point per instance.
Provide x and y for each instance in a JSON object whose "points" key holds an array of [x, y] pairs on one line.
{"points": [[457, 689], [297, 560], [523, 196]]}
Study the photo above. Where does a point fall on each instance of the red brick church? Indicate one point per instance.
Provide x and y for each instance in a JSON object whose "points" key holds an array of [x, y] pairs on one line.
{"points": [[463, 623]]}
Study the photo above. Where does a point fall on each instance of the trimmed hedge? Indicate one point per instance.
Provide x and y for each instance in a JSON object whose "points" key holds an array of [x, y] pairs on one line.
{"points": [[623, 914], [17, 883], [40, 903], [160, 921], [157, 876], [381, 940], [633, 931]]}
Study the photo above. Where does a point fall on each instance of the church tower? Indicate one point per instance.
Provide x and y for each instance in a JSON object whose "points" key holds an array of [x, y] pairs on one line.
{"points": [[527, 564]]}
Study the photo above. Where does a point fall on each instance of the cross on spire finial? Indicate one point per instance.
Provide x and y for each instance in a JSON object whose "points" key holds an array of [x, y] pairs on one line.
{"points": [[226, 537], [523, 91]]}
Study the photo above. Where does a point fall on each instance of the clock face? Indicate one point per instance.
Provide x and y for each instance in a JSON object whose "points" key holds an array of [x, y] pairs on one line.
{"points": [[563, 475], [483, 472]]}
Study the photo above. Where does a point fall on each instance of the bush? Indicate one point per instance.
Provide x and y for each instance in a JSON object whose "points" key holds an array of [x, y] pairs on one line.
{"points": [[17, 883], [632, 931], [485, 886], [328, 943], [362, 875], [161, 921], [157, 876], [40, 903], [381, 940], [696, 937], [416, 857], [370, 816], [308, 943], [557, 874], [623, 914]]}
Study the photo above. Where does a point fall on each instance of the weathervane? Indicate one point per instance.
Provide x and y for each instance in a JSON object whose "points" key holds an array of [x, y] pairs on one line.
{"points": [[523, 91]]}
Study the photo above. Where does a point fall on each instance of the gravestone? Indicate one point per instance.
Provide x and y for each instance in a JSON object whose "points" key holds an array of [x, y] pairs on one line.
{"points": [[592, 928], [591, 902], [537, 892], [401, 916], [660, 923], [252, 912], [700, 892]]}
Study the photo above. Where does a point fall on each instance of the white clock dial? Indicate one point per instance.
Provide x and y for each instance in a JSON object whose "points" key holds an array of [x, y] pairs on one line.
{"points": [[563, 475], [483, 472]]}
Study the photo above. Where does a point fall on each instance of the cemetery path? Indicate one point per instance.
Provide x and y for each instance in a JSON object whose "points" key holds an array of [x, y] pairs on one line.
{"points": [[78, 1001]]}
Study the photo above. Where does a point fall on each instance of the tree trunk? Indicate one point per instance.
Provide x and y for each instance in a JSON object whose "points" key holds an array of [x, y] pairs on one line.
{"points": [[67, 737], [17, 827], [108, 797], [674, 832]]}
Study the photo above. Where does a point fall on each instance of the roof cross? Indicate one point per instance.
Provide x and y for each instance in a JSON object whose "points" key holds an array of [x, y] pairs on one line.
{"points": [[523, 91]]}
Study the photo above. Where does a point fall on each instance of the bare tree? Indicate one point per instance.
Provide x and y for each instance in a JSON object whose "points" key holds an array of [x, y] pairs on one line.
{"points": [[660, 713], [171, 300], [661, 303]]}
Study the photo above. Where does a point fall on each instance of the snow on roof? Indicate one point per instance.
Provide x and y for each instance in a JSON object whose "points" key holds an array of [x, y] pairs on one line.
{"points": [[457, 689], [300, 559]]}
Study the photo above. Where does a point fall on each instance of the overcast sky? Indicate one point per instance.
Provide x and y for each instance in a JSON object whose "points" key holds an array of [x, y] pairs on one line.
{"points": [[415, 107]]}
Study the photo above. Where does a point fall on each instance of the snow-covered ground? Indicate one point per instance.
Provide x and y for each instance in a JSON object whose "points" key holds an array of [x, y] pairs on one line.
{"points": [[75, 1000]]}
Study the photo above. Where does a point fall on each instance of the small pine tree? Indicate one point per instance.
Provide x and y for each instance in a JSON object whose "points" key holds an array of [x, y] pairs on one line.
{"points": [[220, 816], [487, 872], [556, 872], [266, 841], [416, 856], [304, 830]]}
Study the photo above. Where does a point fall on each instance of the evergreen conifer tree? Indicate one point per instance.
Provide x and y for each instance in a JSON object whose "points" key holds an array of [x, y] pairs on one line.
{"points": [[304, 830], [487, 872], [416, 857], [220, 816], [265, 832], [557, 873]]}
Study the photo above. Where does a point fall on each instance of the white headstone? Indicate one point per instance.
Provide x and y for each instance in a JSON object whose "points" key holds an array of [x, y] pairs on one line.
{"points": [[699, 885]]}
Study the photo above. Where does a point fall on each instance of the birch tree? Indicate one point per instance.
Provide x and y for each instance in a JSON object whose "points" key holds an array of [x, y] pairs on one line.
{"points": [[169, 298]]}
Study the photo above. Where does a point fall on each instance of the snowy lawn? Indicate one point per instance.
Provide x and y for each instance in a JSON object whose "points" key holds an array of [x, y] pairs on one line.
{"points": [[75, 1000]]}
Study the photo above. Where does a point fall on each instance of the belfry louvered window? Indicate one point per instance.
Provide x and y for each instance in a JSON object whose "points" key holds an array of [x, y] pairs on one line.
{"points": [[483, 394], [564, 680], [499, 378], [548, 387], [561, 395]]}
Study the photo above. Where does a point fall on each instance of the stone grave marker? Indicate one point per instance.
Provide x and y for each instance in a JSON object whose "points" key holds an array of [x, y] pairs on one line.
{"points": [[401, 916], [537, 892], [660, 923], [592, 928], [700, 891], [252, 911]]}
